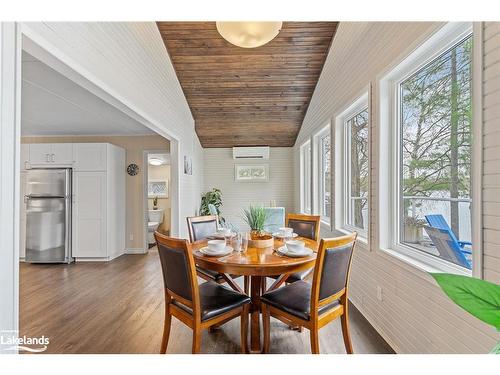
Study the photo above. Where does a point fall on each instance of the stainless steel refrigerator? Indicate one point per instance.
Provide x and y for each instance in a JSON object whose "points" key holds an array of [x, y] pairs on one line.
{"points": [[48, 215]]}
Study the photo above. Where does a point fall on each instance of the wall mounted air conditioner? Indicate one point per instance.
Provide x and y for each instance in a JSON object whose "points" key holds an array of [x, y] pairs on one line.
{"points": [[251, 152]]}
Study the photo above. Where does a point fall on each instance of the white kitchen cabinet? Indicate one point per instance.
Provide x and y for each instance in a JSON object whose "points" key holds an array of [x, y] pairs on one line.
{"points": [[40, 153], [99, 205], [89, 214], [90, 156], [62, 153], [50, 154], [25, 156]]}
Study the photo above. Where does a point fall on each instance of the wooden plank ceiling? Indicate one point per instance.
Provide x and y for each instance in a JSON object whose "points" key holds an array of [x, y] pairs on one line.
{"points": [[248, 97]]}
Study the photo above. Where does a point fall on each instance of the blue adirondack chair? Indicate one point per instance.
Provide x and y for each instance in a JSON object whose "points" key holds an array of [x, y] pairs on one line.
{"points": [[448, 246], [438, 221]]}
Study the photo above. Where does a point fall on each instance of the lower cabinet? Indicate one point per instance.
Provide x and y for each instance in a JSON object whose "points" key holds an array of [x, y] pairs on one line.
{"points": [[89, 215]]}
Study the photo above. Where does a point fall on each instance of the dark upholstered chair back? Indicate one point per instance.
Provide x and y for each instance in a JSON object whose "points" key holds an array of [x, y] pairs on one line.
{"points": [[333, 263], [304, 225], [201, 227], [176, 265], [335, 268]]}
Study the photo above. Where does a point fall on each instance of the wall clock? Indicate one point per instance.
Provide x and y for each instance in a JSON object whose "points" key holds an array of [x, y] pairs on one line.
{"points": [[132, 169]]}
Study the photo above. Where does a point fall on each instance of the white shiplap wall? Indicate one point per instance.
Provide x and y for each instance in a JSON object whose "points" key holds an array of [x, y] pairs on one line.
{"points": [[129, 60], [219, 173], [491, 156], [414, 315]]}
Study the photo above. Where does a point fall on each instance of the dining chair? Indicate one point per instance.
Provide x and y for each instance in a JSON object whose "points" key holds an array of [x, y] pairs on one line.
{"points": [[201, 228], [198, 306], [275, 219], [314, 306], [306, 226]]}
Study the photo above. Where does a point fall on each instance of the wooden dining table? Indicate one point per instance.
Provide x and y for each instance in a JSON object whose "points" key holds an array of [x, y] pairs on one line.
{"points": [[257, 263]]}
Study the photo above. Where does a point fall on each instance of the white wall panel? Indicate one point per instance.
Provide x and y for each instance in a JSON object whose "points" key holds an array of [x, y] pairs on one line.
{"points": [[219, 173]]}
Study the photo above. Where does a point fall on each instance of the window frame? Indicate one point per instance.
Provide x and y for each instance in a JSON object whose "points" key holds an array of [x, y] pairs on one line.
{"points": [[305, 202], [389, 156], [343, 168], [319, 172]]}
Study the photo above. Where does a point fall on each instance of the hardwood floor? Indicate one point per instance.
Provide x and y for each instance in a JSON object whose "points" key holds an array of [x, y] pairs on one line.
{"points": [[117, 307]]}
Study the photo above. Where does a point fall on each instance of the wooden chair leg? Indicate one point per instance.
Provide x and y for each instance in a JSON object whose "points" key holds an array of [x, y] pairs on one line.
{"points": [[246, 284], [166, 330], [266, 322], [314, 333], [264, 285], [244, 328], [196, 339], [344, 320]]}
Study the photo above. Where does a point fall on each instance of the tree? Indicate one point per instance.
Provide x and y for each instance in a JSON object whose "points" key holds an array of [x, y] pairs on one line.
{"points": [[436, 121]]}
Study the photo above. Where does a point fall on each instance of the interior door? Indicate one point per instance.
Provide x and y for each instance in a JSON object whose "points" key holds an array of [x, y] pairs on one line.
{"points": [[40, 153], [89, 214]]}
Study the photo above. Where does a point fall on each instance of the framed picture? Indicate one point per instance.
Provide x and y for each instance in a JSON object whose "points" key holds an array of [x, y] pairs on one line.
{"points": [[251, 173], [188, 165], [157, 188]]}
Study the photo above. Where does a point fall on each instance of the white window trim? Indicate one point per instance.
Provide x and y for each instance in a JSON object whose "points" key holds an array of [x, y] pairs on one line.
{"points": [[342, 179], [318, 172], [303, 182], [389, 181]]}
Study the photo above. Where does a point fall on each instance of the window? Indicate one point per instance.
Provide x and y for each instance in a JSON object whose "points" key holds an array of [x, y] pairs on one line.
{"points": [[352, 129], [357, 171], [431, 138], [323, 144], [305, 178]]}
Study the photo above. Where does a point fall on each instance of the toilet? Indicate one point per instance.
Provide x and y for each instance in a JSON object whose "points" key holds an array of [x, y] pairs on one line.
{"points": [[155, 218]]}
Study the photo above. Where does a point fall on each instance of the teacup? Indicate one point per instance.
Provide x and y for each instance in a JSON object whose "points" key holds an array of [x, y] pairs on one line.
{"points": [[217, 245], [286, 232], [295, 246]]}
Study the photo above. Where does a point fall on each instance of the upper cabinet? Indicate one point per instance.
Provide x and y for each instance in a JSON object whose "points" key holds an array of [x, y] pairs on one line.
{"points": [[62, 153], [90, 156], [40, 153], [83, 157], [51, 154]]}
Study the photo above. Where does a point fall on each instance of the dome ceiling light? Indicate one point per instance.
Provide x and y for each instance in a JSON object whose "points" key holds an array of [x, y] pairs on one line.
{"points": [[155, 162], [249, 34]]}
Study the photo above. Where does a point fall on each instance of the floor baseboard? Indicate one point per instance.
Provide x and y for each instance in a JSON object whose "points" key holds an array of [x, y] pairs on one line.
{"points": [[136, 250]]}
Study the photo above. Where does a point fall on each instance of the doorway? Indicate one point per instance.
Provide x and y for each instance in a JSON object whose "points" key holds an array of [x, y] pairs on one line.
{"points": [[157, 195]]}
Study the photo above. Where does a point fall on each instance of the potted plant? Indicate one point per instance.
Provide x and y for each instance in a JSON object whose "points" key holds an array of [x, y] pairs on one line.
{"points": [[214, 197], [256, 218], [413, 229], [478, 297], [155, 203]]}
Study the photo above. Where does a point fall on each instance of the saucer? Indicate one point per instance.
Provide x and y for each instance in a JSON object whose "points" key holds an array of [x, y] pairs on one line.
{"points": [[305, 252], [279, 235], [206, 251]]}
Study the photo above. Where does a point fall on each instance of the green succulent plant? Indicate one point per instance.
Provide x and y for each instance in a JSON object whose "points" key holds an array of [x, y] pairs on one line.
{"points": [[255, 217]]}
